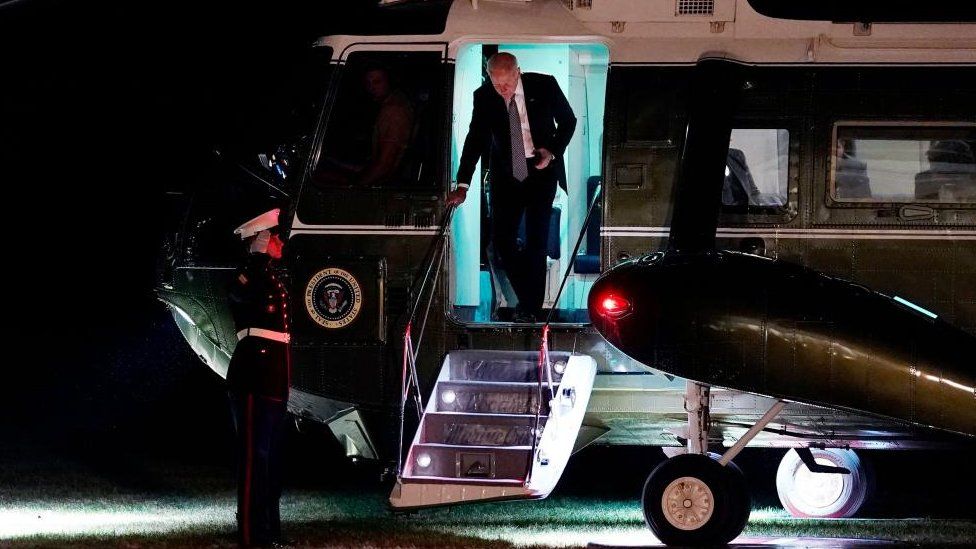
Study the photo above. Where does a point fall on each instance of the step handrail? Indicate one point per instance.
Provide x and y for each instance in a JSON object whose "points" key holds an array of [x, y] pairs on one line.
{"points": [[545, 363], [572, 257], [409, 380], [433, 250]]}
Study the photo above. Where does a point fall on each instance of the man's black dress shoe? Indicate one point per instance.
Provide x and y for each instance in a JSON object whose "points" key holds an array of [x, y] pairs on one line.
{"points": [[524, 318]]}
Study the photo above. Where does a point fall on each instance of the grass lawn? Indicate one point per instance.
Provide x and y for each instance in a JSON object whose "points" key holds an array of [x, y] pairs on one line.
{"points": [[63, 499], [361, 519]]}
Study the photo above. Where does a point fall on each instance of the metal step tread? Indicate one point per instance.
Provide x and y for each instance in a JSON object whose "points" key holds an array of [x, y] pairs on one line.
{"points": [[464, 353], [477, 383], [475, 415], [468, 481], [469, 448], [504, 366]]}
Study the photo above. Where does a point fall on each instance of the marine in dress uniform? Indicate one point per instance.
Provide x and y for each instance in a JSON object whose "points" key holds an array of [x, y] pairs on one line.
{"points": [[258, 381]]}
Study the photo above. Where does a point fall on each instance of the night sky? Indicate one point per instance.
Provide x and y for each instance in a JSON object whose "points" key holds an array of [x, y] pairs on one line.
{"points": [[107, 107]]}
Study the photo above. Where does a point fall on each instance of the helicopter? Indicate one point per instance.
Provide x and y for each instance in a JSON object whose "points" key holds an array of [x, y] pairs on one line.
{"points": [[794, 190]]}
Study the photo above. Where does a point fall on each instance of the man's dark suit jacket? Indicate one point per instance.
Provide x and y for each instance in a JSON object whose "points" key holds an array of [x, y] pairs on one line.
{"points": [[547, 107]]}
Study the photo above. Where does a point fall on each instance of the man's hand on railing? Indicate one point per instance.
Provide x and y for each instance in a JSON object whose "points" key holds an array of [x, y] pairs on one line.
{"points": [[457, 196]]}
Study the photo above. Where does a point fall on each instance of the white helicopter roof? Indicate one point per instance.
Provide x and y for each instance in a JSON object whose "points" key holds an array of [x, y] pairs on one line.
{"points": [[681, 31]]}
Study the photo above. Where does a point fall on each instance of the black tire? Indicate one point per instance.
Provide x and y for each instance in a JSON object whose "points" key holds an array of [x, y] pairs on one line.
{"points": [[742, 501], [714, 500], [740, 495]]}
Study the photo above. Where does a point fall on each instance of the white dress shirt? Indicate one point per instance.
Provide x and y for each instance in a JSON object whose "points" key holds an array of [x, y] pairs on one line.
{"points": [[523, 119]]}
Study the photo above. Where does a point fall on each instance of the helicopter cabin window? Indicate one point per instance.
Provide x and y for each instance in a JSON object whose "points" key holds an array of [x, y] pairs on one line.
{"points": [[757, 171], [485, 288], [903, 162], [383, 125]]}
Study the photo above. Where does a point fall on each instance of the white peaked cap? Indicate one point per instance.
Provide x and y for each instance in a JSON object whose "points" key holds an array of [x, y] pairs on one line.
{"points": [[263, 222]]}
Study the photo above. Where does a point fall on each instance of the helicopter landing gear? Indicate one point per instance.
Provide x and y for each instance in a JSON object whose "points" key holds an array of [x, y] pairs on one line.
{"points": [[694, 498]]}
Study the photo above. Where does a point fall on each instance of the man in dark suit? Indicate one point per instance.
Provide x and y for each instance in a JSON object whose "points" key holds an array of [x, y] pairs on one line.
{"points": [[527, 122]]}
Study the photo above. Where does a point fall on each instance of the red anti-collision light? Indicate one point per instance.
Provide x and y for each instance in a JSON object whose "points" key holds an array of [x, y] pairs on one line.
{"points": [[614, 306]]}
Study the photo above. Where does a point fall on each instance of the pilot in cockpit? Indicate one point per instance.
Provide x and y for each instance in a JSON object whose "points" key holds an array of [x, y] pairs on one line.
{"points": [[951, 176], [391, 134]]}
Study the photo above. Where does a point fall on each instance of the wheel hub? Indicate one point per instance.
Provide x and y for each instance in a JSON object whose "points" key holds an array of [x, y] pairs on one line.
{"points": [[687, 503], [819, 490]]}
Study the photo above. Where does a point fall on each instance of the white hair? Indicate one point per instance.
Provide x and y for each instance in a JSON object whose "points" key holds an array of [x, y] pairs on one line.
{"points": [[503, 61]]}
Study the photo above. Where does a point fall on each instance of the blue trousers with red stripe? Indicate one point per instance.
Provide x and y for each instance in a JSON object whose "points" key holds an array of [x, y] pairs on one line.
{"points": [[260, 425]]}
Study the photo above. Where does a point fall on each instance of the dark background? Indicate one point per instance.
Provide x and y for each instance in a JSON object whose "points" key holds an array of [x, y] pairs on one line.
{"points": [[109, 110], [106, 108]]}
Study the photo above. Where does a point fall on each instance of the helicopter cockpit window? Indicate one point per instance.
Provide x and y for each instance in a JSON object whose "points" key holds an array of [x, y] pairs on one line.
{"points": [[383, 125], [903, 162], [757, 171]]}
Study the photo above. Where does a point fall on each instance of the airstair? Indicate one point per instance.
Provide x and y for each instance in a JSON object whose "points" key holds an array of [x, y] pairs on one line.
{"points": [[498, 425]]}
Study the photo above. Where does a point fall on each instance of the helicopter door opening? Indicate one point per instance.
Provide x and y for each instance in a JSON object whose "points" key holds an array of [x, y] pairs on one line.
{"points": [[481, 289]]}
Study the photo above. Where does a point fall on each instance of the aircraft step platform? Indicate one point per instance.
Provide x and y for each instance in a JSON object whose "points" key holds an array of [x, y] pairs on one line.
{"points": [[492, 431]]}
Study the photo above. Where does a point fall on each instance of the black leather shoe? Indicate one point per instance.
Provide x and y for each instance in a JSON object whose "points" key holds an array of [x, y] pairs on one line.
{"points": [[524, 318], [284, 543]]}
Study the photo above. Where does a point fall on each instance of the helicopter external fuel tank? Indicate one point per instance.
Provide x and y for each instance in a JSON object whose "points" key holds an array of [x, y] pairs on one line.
{"points": [[770, 327]]}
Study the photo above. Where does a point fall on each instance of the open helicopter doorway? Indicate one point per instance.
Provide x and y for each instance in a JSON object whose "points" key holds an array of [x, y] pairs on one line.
{"points": [[480, 288]]}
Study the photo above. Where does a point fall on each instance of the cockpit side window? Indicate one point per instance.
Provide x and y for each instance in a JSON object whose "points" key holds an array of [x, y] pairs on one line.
{"points": [[757, 168], [759, 180], [383, 128], [903, 162]]}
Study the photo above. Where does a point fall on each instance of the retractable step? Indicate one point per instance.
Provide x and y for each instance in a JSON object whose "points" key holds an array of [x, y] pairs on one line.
{"points": [[481, 397], [479, 429], [505, 366], [454, 461], [491, 432]]}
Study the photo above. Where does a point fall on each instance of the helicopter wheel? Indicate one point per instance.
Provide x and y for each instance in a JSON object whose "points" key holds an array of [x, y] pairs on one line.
{"points": [[823, 495], [692, 500], [742, 508]]}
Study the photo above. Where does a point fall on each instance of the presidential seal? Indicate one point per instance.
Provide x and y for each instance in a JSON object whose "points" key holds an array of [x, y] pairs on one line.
{"points": [[333, 298]]}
